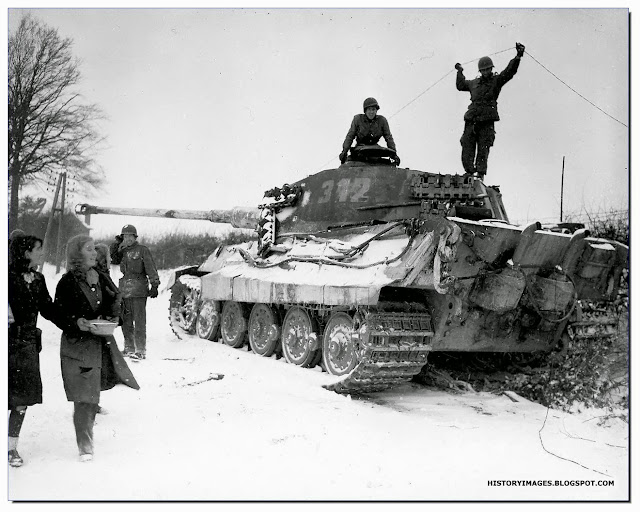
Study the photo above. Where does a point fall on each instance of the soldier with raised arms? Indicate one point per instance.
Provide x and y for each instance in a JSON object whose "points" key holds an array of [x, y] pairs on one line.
{"points": [[479, 131]]}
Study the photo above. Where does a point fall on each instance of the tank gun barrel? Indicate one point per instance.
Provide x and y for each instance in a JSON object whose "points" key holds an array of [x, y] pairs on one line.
{"points": [[238, 217]]}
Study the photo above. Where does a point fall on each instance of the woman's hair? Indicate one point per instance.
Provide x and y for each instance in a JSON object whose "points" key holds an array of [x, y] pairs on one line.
{"points": [[19, 245], [16, 233], [75, 259], [102, 260]]}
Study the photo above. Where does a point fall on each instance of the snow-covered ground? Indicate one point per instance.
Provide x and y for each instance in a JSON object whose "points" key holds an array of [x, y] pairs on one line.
{"points": [[269, 431]]}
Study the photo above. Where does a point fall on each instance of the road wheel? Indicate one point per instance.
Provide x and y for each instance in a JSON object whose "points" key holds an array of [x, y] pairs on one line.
{"points": [[300, 343], [208, 322], [264, 330], [338, 349], [233, 324]]}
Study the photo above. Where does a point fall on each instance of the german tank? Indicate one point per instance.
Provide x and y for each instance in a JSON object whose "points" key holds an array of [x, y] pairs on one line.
{"points": [[367, 268]]}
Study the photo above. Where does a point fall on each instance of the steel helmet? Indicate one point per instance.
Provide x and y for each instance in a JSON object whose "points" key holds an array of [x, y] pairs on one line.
{"points": [[370, 102], [129, 229], [484, 63]]}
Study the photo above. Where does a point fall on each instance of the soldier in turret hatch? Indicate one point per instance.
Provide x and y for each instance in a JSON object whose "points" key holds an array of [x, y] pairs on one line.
{"points": [[479, 132], [367, 129]]}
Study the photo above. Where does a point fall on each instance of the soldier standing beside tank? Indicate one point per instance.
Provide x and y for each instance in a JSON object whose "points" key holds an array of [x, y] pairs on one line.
{"points": [[138, 272], [479, 132], [367, 129]]}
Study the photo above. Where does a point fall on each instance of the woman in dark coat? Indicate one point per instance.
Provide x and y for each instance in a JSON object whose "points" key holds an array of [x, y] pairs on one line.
{"points": [[90, 362], [28, 296]]}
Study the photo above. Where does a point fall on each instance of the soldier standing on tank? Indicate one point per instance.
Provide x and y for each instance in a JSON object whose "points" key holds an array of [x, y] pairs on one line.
{"points": [[367, 129], [138, 272], [479, 132]]}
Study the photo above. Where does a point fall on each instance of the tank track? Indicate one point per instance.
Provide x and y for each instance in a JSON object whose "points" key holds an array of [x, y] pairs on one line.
{"points": [[187, 309], [595, 321], [393, 348]]}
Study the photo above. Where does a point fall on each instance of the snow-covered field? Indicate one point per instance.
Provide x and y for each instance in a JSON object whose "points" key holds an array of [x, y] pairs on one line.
{"points": [[269, 431]]}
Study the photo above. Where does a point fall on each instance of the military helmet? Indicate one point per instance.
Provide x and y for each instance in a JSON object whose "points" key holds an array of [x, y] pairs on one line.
{"points": [[484, 63], [370, 102], [129, 229]]}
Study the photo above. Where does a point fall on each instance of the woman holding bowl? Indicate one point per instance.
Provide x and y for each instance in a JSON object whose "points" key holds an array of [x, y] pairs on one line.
{"points": [[90, 359]]}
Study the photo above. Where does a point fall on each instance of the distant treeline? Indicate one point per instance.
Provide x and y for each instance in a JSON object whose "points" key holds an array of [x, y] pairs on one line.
{"points": [[180, 249]]}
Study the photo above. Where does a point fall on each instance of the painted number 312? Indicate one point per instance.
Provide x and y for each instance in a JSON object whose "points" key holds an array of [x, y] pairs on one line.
{"points": [[353, 190]]}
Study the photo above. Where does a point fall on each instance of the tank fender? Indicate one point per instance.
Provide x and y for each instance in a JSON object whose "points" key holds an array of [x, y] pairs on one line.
{"points": [[181, 271]]}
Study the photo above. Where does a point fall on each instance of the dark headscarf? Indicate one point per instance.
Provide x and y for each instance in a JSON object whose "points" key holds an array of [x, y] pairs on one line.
{"points": [[16, 233], [18, 262]]}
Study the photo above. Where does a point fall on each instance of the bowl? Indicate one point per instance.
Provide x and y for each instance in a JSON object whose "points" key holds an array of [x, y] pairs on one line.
{"points": [[104, 327]]}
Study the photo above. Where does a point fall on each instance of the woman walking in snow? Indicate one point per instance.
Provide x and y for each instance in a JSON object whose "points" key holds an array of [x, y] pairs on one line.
{"points": [[90, 362], [28, 296]]}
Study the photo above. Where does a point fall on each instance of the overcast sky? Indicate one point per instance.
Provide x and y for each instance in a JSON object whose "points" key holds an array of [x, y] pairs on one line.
{"points": [[208, 108]]}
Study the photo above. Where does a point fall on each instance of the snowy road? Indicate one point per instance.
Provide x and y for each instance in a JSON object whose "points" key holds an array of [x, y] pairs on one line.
{"points": [[269, 431]]}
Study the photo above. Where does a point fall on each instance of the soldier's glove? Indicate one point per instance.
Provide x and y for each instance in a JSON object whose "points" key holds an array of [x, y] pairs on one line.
{"points": [[343, 157], [153, 293], [458, 66], [119, 239], [520, 49]]}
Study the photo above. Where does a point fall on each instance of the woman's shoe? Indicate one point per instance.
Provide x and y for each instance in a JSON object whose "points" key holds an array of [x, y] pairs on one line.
{"points": [[86, 457], [14, 459]]}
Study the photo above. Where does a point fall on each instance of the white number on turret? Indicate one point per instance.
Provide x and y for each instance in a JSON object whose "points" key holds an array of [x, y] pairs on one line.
{"points": [[353, 190]]}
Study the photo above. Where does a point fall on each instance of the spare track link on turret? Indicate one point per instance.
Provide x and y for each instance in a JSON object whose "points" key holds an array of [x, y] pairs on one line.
{"points": [[393, 348]]}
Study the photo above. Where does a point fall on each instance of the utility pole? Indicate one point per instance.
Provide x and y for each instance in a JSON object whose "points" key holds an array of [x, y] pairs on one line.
{"points": [[59, 244], [47, 234], [562, 189]]}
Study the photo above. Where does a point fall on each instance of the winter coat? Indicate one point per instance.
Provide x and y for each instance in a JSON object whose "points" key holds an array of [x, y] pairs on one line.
{"points": [[485, 92], [28, 296], [368, 132], [114, 294], [138, 270], [90, 363]]}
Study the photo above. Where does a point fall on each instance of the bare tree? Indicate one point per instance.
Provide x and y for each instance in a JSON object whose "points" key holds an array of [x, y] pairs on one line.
{"points": [[50, 128]]}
